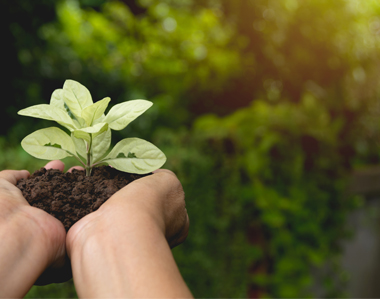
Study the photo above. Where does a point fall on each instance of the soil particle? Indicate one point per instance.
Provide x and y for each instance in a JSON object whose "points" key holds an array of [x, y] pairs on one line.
{"points": [[71, 196]]}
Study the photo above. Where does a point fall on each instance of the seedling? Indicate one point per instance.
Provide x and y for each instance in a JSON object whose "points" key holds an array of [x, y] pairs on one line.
{"points": [[90, 132]]}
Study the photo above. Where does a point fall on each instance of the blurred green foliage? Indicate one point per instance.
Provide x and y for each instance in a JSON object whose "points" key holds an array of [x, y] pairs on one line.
{"points": [[262, 107], [286, 168], [64, 290]]}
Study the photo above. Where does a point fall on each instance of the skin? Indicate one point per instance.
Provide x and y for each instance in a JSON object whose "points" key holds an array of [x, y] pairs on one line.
{"points": [[123, 249], [120, 251], [31, 240]]}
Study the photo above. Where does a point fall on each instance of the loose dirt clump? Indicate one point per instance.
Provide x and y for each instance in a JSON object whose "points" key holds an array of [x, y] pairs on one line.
{"points": [[71, 196]]}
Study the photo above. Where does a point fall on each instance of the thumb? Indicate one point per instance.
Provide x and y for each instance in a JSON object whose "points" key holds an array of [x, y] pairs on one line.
{"points": [[13, 176]]}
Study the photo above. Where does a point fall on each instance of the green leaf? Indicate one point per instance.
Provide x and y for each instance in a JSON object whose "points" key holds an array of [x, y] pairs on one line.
{"points": [[122, 155], [95, 111], [80, 146], [84, 133], [131, 155], [124, 113], [56, 99], [99, 120], [54, 145], [49, 143], [98, 128], [147, 156], [100, 145], [48, 112], [76, 96]]}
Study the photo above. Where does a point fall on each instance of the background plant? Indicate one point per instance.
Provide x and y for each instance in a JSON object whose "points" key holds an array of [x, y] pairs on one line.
{"points": [[278, 100]]}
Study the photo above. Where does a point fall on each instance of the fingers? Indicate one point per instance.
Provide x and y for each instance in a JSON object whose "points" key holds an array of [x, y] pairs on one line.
{"points": [[181, 234], [10, 195], [165, 180], [164, 171], [55, 164], [14, 176], [175, 207], [59, 165], [75, 168], [169, 194]]}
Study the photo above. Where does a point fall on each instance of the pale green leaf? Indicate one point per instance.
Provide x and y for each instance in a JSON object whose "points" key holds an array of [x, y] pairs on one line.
{"points": [[100, 145], [48, 112], [79, 122], [76, 96], [100, 120], [98, 128], [56, 99], [135, 155], [124, 113], [84, 133], [80, 146], [95, 111], [49, 143]]}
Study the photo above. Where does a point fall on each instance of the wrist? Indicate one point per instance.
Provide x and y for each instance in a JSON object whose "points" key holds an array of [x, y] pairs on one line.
{"points": [[105, 251], [112, 221]]}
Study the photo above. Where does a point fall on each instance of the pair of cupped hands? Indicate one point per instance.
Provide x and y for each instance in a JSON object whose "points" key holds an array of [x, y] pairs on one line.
{"points": [[133, 222]]}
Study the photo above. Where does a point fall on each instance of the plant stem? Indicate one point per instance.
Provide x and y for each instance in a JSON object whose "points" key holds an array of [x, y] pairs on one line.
{"points": [[88, 166]]}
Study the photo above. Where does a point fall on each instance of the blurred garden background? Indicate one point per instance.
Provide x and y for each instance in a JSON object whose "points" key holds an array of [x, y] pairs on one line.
{"points": [[264, 109]]}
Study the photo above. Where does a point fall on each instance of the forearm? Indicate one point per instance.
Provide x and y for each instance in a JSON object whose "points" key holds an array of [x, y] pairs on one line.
{"points": [[130, 260]]}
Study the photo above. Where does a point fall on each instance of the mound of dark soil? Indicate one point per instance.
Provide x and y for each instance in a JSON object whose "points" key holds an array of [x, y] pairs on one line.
{"points": [[71, 196]]}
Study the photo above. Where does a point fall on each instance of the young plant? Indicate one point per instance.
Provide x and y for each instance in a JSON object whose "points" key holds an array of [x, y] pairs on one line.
{"points": [[90, 132]]}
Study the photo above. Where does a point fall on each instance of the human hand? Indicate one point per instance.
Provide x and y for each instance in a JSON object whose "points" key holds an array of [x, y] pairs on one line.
{"points": [[122, 249], [159, 197], [31, 240], [60, 270]]}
